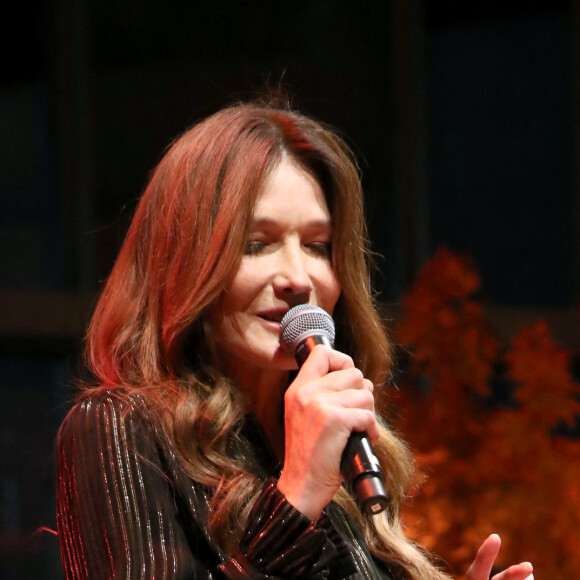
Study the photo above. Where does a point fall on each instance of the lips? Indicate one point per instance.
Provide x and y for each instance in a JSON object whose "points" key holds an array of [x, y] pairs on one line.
{"points": [[275, 315]]}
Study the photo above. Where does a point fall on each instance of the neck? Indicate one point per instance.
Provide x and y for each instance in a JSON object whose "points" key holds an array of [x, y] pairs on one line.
{"points": [[264, 391]]}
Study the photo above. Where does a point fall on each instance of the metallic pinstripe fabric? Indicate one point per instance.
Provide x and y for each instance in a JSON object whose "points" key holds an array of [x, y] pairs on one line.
{"points": [[103, 497], [126, 509]]}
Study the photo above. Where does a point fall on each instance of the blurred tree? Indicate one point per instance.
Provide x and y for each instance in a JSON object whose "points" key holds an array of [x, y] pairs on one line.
{"points": [[484, 421]]}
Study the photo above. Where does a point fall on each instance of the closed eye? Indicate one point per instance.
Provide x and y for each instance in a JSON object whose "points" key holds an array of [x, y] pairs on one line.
{"points": [[322, 249], [254, 248]]}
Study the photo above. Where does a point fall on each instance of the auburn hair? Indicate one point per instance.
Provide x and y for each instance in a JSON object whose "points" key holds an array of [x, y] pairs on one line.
{"points": [[150, 334]]}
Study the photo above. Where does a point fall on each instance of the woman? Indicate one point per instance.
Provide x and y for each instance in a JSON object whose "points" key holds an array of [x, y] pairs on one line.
{"points": [[200, 451]]}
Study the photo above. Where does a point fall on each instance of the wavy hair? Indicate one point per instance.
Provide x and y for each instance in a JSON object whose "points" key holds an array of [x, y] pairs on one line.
{"points": [[149, 333]]}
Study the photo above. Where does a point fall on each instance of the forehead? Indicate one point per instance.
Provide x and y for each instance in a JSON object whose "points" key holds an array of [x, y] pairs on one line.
{"points": [[289, 193]]}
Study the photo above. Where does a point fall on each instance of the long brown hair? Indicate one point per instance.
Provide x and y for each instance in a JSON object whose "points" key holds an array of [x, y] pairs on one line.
{"points": [[149, 332]]}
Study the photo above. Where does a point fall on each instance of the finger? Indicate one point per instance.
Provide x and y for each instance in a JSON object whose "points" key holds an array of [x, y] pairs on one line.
{"points": [[369, 385], [374, 433], [361, 420], [351, 399], [521, 571], [323, 360], [354, 410], [334, 409], [484, 559], [351, 378]]}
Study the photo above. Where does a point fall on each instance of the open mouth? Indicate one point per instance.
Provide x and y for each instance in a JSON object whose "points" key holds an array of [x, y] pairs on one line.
{"points": [[273, 316]]}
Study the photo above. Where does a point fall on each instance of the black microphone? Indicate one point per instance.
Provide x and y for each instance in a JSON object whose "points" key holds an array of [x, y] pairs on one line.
{"points": [[301, 329]]}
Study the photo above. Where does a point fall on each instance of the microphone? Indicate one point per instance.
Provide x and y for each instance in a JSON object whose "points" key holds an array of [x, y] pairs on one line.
{"points": [[301, 329]]}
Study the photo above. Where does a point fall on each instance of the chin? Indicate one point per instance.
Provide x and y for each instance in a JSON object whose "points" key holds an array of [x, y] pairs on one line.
{"points": [[284, 361]]}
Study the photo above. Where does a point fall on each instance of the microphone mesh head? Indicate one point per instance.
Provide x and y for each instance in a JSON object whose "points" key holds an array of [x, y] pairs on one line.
{"points": [[305, 320]]}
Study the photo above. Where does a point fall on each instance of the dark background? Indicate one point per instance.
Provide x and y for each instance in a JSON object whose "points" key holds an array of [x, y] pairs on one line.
{"points": [[465, 122]]}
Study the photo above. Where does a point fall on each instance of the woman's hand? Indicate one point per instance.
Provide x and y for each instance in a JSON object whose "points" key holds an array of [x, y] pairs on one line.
{"points": [[328, 400], [483, 563]]}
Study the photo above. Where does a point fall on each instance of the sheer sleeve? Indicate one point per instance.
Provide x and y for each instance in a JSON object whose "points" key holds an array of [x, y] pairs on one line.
{"points": [[116, 514], [281, 542]]}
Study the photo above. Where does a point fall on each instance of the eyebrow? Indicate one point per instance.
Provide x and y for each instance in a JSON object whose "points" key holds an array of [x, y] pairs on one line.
{"points": [[265, 222]]}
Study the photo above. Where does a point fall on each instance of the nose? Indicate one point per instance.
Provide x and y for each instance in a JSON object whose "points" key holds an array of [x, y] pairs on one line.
{"points": [[292, 276]]}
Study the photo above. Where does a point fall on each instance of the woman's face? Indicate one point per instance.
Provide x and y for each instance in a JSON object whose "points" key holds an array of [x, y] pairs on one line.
{"points": [[287, 261]]}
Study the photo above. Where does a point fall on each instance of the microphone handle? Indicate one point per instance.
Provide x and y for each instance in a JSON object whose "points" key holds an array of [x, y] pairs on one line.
{"points": [[359, 465], [363, 474]]}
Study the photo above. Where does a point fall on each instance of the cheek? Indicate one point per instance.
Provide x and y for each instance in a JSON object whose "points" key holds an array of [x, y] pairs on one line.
{"points": [[330, 290], [241, 290], [231, 301], [336, 292]]}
